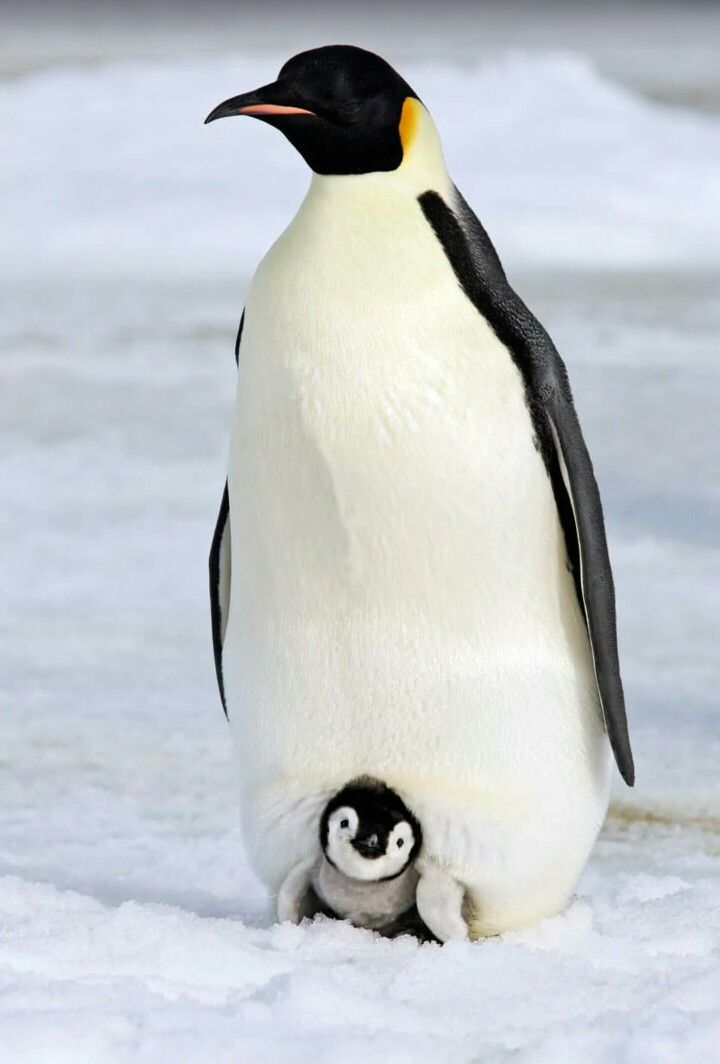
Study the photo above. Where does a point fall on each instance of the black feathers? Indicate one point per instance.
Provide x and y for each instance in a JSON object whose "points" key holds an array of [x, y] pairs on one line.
{"points": [[216, 616], [219, 568], [339, 106]]}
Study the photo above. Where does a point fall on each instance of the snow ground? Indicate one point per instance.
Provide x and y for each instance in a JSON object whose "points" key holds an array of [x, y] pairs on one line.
{"points": [[130, 925]]}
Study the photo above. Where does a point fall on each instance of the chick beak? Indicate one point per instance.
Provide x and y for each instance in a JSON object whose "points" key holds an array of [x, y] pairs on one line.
{"points": [[368, 845]]}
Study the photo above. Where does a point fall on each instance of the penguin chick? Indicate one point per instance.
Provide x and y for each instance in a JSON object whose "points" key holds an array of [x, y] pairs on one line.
{"points": [[366, 870]]}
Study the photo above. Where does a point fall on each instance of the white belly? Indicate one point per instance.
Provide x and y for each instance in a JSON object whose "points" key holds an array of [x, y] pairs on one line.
{"points": [[400, 604]]}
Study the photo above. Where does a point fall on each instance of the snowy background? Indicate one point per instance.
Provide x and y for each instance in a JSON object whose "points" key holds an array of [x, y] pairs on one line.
{"points": [[131, 928]]}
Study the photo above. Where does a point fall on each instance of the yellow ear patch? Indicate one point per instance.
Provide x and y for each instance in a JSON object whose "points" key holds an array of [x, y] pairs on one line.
{"points": [[409, 119]]}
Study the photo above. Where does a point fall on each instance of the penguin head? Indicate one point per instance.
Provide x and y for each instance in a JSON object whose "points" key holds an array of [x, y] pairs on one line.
{"points": [[368, 833], [344, 109]]}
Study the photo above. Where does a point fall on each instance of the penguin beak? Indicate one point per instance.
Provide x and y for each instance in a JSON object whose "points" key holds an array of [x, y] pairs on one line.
{"points": [[269, 102], [368, 845]]}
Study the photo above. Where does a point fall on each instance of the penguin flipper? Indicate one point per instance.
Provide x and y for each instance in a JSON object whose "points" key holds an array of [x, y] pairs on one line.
{"points": [[479, 272], [439, 902], [598, 593], [219, 565], [294, 901]]}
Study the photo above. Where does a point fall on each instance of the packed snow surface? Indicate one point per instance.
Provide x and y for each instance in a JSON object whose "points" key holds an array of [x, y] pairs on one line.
{"points": [[131, 928]]}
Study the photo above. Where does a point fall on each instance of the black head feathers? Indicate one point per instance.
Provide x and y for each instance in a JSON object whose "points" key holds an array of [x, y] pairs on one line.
{"points": [[340, 106]]}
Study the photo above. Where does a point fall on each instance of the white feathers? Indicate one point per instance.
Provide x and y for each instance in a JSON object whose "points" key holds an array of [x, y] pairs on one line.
{"points": [[401, 840], [292, 896], [342, 825], [439, 900]]}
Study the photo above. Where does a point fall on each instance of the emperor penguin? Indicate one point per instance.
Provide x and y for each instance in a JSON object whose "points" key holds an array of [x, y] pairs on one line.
{"points": [[409, 575]]}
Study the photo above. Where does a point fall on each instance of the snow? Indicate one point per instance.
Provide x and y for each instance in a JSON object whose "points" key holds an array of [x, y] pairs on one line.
{"points": [[131, 927], [625, 973]]}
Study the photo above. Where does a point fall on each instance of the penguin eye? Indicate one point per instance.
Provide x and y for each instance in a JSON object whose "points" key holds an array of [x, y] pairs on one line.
{"points": [[345, 823], [400, 843]]}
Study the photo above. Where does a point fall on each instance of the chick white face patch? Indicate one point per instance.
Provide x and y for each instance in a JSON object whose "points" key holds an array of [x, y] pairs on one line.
{"points": [[342, 825], [400, 844], [345, 847]]}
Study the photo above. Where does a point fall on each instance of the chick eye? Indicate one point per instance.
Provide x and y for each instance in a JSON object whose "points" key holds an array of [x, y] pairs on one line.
{"points": [[345, 823], [400, 843]]}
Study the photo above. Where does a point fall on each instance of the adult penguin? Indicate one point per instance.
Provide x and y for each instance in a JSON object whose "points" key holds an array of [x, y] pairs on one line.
{"points": [[409, 576]]}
